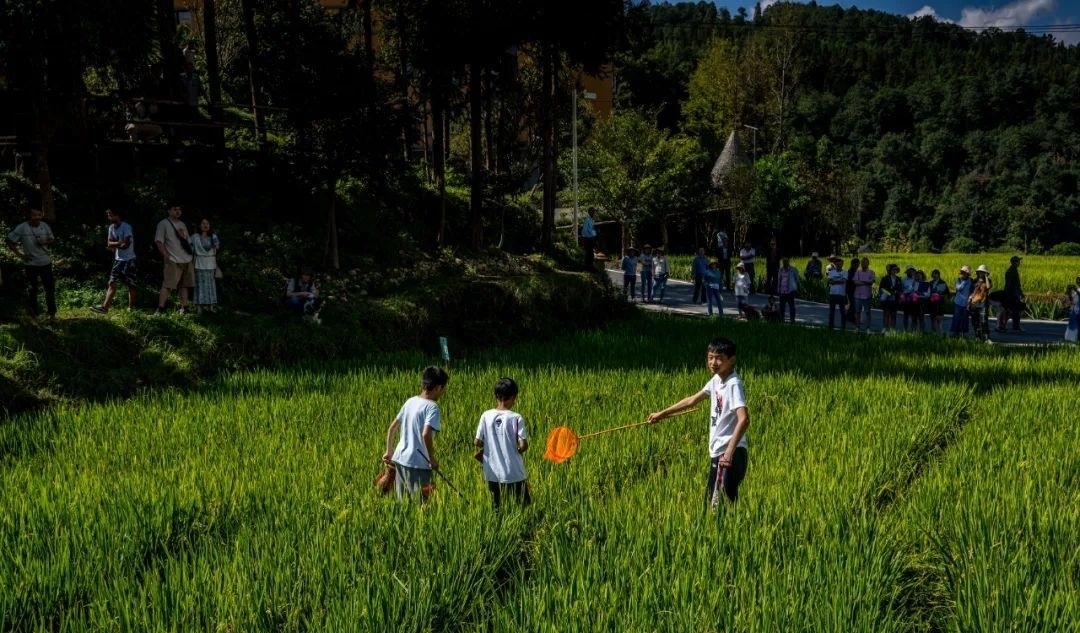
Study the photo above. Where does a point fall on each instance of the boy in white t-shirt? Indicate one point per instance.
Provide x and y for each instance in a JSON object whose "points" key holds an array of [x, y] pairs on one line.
{"points": [[728, 421], [419, 420], [501, 440]]}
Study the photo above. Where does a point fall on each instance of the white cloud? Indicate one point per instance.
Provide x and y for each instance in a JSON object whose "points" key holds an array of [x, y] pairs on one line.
{"points": [[928, 10], [1018, 13]]}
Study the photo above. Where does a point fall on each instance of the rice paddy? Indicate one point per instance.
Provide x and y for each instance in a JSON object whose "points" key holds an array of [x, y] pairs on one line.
{"points": [[899, 484]]}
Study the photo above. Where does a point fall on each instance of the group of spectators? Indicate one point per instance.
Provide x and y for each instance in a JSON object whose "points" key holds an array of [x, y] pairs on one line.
{"points": [[911, 302], [189, 266], [918, 298], [189, 262]]}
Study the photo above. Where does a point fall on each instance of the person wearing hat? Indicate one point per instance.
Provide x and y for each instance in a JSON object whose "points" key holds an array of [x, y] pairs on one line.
{"points": [[1013, 302], [837, 278], [961, 295], [979, 303], [646, 260], [813, 267]]}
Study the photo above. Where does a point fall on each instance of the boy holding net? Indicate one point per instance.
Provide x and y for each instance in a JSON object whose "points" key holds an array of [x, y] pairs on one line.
{"points": [[728, 421], [501, 440], [419, 420]]}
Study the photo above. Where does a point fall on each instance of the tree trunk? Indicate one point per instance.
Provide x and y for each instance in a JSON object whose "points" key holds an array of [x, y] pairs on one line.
{"points": [[170, 52], [213, 67], [476, 151], [438, 148], [252, 36], [402, 81], [547, 133], [332, 254]]}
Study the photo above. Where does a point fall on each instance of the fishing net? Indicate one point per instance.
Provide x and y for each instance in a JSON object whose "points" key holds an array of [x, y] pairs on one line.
{"points": [[384, 482], [562, 444]]}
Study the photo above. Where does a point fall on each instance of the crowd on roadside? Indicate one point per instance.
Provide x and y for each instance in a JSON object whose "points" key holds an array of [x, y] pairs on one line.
{"points": [[913, 301], [189, 266]]}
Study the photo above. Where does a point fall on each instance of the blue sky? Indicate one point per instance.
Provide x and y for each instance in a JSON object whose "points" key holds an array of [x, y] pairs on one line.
{"points": [[1063, 16]]}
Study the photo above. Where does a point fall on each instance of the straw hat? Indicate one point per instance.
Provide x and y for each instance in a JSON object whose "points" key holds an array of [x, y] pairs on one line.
{"points": [[740, 265], [982, 269], [965, 269]]}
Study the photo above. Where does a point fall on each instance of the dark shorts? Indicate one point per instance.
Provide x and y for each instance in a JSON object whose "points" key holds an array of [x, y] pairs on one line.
{"points": [[124, 271], [728, 479], [518, 491]]}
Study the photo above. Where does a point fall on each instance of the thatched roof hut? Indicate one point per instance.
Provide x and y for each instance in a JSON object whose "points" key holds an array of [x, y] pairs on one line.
{"points": [[731, 157]]}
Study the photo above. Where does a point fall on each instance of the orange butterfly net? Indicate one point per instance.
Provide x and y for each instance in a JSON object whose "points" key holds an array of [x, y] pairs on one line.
{"points": [[562, 442]]}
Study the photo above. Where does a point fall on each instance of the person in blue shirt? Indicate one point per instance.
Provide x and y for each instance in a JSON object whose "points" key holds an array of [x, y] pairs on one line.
{"points": [[959, 326], [121, 240], [697, 269], [588, 240], [629, 271]]}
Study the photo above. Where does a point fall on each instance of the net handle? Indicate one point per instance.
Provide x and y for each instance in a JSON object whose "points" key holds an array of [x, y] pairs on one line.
{"points": [[618, 428], [630, 426]]}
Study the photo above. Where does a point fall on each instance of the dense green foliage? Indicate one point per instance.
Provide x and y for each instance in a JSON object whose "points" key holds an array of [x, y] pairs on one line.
{"points": [[910, 134], [924, 493]]}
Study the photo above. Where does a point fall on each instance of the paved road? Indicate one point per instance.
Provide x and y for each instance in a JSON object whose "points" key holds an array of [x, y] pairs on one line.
{"points": [[677, 300]]}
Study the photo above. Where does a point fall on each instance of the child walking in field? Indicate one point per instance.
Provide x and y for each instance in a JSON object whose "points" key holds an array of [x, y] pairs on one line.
{"points": [[728, 421], [418, 420], [501, 440]]}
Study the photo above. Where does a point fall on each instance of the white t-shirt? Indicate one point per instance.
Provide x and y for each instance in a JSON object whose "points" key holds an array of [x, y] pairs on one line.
{"points": [[167, 233], [500, 431], [725, 397], [747, 255], [415, 414], [119, 233]]}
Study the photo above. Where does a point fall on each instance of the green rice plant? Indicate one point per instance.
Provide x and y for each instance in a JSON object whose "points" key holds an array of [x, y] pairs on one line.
{"points": [[874, 500]]}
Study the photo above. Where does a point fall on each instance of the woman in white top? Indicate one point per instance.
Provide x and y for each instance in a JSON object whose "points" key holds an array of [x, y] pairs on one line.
{"points": [[204, 246], [660, 273]]}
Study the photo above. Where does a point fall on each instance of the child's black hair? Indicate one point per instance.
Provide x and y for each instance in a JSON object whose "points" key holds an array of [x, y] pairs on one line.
{"points": [[722, 346], [505, 388], [434, 377]]}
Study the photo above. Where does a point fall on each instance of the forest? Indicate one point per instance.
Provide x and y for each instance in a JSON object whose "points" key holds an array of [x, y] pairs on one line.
{"points": [[345, 133]]}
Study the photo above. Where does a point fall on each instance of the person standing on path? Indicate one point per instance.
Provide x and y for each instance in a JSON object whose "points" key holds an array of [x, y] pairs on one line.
{"points": [[939, 292], [959, 325], [979, 303], [697, 270], [746, 256], [1072, 304], [787, 285], [1014, 295], [660, 273], [889, 291], [712, 288], [837, 280], [588, 241], [864, 291], [171, 239], [30, 241], [646, 260], [629, 273], [772, 265], [723, 253]]}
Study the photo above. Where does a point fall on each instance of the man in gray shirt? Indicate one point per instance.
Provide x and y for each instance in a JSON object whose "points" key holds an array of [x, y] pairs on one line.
{"points": [[30, 242], [171, 238]]}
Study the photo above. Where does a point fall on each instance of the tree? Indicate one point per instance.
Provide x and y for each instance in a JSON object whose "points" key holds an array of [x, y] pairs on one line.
{"points": [[635, 172]]}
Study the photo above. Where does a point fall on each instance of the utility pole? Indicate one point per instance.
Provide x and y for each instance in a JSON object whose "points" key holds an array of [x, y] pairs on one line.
{"points": [[755, 139], [591, 96]]}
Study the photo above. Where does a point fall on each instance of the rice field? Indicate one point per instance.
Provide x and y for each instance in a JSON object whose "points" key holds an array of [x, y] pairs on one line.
{"points": [[1039, 274], [894, 484]]}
